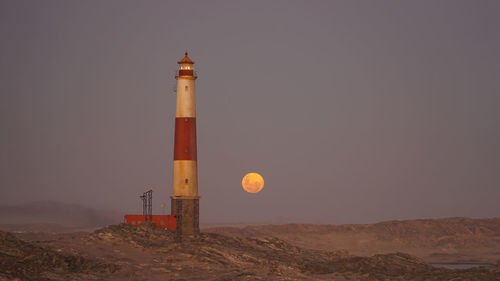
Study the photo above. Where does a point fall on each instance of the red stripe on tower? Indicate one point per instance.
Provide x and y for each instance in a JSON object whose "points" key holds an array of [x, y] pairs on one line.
{"points": [[185, 138]]}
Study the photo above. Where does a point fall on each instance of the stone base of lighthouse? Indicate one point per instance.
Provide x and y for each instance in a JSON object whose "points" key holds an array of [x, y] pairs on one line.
{"points": [[187, 211]]}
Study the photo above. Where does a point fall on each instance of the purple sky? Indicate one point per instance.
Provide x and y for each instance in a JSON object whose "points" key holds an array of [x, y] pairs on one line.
{"points": [[352, 111]]}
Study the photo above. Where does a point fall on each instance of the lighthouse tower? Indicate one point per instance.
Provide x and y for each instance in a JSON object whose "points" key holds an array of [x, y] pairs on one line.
{"points": [[185, 200]]}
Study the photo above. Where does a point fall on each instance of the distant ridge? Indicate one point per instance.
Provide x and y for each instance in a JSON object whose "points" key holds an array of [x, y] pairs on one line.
{"points": [[53, 216], [450, 239]]}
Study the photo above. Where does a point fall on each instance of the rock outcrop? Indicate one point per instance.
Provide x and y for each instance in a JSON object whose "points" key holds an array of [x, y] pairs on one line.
{"points": [[26, 261]]}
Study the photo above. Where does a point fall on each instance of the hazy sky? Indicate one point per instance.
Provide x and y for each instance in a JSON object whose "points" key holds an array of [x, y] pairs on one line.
{"points": [[352, 111]]}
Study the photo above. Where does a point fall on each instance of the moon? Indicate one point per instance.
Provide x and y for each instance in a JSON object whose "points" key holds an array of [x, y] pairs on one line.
{"points": [[252, 183]]}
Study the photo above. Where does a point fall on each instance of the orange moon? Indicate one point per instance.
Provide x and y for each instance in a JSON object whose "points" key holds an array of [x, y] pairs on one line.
{"points": [[252, 183]]}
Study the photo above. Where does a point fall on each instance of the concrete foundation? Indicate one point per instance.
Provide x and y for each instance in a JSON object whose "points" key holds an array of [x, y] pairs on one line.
{"points": [[187, 211]]}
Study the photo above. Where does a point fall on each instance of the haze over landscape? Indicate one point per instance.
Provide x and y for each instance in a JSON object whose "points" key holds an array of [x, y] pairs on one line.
{"points": [[329, 140], [352, 111]]}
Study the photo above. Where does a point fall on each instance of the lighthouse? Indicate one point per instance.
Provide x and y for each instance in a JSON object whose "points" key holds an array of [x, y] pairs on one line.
{"points": [[185, 200]]}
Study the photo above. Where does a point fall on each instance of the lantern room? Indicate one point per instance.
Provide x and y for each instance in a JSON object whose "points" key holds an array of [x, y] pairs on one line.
{"points": [[186, 67]]}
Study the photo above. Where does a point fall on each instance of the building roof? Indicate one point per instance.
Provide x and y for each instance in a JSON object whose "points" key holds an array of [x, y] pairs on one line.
{"points": [[186, 59]]}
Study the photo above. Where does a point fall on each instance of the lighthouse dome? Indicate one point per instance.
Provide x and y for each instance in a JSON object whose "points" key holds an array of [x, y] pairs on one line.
{"points": [[185, 60]]}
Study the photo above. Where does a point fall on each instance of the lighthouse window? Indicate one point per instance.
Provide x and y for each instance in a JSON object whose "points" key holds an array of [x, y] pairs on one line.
{"points": [[186, 150], [186, 181], [186, 88]]}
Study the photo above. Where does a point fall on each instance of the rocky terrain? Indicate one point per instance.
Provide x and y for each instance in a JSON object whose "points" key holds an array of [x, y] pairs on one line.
{"points": [[20, 260], [434, 240], [124, 252]]}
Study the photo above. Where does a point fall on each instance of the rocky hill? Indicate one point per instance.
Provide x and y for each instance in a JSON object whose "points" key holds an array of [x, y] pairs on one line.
{"points": [[124, 252], [435, 240], [20, 260]]}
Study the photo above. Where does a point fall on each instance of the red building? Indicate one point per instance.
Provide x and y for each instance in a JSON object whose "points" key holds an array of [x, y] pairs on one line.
{"points": [[165, 221]]}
